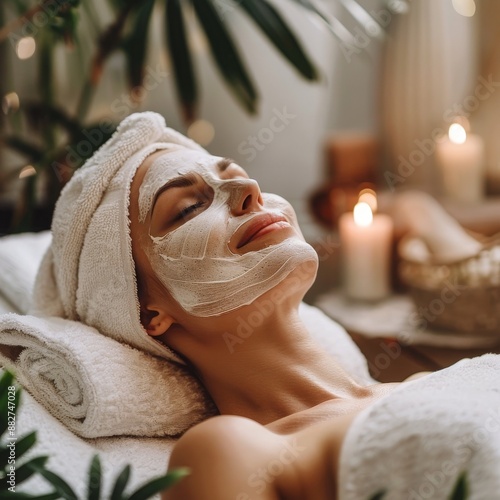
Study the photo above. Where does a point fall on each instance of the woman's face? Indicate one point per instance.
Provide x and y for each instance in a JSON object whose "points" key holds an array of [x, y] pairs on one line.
{"points": [[203, 229]]}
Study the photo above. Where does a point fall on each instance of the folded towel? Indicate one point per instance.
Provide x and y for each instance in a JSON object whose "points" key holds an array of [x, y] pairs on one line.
{"points": [[416, 442], [20, 257], [100, 387], [97, 386], [67, 351]]}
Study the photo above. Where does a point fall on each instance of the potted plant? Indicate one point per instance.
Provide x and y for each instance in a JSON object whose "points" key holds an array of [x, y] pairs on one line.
{"points": [[47, 138]]}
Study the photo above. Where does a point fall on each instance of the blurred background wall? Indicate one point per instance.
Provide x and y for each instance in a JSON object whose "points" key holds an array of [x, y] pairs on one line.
{"points": [[282, 145]]}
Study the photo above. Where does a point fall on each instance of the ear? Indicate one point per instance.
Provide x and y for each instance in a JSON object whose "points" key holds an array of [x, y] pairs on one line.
{"points": [[155, 321]]}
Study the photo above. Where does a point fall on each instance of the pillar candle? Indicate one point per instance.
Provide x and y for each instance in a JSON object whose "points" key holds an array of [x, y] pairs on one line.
{"points": [[366, 251], [460, 157]]}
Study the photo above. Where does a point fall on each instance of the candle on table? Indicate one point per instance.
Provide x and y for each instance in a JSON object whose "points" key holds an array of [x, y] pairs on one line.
{"points": [[460, 157], [366, 249]]}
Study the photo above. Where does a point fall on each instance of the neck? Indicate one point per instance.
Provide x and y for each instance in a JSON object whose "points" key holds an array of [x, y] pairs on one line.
{"points": [[269, 372]]}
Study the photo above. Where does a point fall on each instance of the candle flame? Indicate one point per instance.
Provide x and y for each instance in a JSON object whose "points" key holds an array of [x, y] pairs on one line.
{"points": [[363, 215], [457, 133], [370, 197]]}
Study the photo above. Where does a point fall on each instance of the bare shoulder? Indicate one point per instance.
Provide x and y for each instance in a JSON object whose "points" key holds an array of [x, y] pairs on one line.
{"points": [[331, 410], [225, 455], [235, 458]]}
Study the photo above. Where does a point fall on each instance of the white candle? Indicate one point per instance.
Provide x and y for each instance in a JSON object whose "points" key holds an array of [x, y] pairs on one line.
{"points": [[461, 158], [366, 250]]}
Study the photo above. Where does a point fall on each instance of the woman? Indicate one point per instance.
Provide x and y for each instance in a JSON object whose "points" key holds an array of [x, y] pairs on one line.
{"points": [[159, 244], [211, 250], [285, 396]]}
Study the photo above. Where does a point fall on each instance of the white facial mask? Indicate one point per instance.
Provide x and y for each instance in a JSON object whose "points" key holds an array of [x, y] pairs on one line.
{"points": [[194, 261]]}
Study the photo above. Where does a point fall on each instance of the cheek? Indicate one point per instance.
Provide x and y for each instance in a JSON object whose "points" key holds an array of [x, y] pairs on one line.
{"points": [[204, 236]]}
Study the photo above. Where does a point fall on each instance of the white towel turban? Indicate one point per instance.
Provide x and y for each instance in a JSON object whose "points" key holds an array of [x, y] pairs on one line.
{"points": [[88, 272]]}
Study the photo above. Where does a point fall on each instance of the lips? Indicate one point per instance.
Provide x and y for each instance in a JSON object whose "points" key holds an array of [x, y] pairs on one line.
{"points": [[257, 225]]}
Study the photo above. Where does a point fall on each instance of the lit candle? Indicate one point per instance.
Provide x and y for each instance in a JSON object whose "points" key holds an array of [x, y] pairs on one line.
{"points": [[460, 157], [366, 249]]}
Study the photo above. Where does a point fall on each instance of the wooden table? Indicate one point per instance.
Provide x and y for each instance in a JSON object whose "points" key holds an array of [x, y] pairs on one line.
{"points": [[390, 361]]}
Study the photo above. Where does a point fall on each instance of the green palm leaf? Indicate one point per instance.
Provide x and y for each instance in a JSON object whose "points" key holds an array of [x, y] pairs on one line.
{"points": [[121, 483], [271, 23], [177, 45], [135, 45], [25, 471], [226, 54], [21, 447], [461, 489], [159, 484], [94, 490], [60, 485]]}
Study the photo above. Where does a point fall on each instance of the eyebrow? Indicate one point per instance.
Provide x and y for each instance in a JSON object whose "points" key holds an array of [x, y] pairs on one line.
{"points": [[188, 180], [224, 163], [177, 182]]}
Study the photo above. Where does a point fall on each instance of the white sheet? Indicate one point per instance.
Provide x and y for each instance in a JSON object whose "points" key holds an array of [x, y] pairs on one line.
{"points": [[70, 456], [20, 256]]}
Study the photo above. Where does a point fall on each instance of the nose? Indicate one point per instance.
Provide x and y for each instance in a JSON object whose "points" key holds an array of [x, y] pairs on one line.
{"points": [[245, 196]]}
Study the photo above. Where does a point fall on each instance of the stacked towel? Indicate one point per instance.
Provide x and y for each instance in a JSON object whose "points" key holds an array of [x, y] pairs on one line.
{"points": [[97, 386], [415, 443], [64, 363]]}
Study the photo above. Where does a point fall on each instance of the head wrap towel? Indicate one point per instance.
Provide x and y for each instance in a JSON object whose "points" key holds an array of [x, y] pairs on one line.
{"points": [[88, 272]]}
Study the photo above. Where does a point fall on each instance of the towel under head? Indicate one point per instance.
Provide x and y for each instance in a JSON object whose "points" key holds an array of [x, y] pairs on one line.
{"points": [[88, 272]]}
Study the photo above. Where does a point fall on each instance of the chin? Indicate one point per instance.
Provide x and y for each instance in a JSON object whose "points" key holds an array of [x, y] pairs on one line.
{"points": [[299, 279]]}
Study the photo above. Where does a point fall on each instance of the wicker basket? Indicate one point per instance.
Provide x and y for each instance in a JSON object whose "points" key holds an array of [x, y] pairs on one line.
{"points": [[462, 296]]}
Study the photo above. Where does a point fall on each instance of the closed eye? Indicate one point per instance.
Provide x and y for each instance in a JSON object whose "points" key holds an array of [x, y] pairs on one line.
{"points": [[185, 213]]}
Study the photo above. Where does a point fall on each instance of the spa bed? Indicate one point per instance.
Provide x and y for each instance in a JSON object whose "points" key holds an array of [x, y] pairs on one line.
{"points": [[70, 453], [416, 443]]}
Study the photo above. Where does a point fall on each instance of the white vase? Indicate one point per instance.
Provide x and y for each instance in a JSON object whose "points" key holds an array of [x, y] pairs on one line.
{"points": [[429, 67]]}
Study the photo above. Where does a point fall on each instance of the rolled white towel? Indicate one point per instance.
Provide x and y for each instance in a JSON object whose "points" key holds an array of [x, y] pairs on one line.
{"points": [[97, 386]]}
